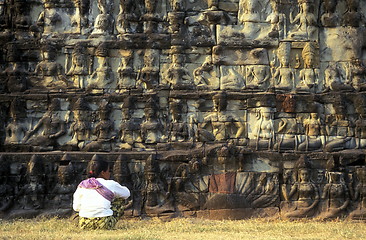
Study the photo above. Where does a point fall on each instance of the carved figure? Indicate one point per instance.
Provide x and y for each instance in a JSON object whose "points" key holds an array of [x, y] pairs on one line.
{"points": [[203, 75], [32, 193], [79, 68], [52, 127], [16, 74], [65, 187], [360, 131], [177, 75], [104, 21], [103, 130], [336, 196], [148, 77], [360, 195], [129, 11], [178, 129], [126, 72], [220, 122], [329, 17], [341, 134], [232, 80], [284, 77], [314, 132], [16, 128], [102, 77], [81, 14], [130, 127], [263, 130], [357, 74], [49, 71], [249, 15], [151, 128], [287, 133], [308, 75], [80, 129], [306, 21], [266, 192], [333, 81], [307, 193], [258, 77], [352, 17], [277, 21]]}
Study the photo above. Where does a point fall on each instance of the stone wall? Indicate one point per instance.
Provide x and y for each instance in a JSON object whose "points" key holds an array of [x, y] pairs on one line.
{"points": [[236, 108]]}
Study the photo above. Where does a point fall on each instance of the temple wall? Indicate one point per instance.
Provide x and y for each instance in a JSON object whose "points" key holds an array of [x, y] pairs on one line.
{"points": [[219, 109]]}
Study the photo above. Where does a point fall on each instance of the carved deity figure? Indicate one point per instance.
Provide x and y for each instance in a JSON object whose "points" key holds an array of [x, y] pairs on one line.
{"points": [[49, 128], [80, 18], [360, 195], [152, 128], [15, 73], [284, 76], [32, 193], [154, 192], [287, 132], [80, 128], [178, 76], [258, 77], [250, 15], [203, 75], [65, 187], [16, 128], [49, 19], [340, 134], [102, 76], [218, 125], [126, 73], [305, 20], [333, 79], [103, 130], [307, 194], [129, 11], [178, 128], [104, 21], [148, 76], [352, 17], [314, 133], [130, 127], [79, 68], [50, 73], [22, 21], [277, 21], [263, 130], [329, 17], [360, 131], [336, 196], [309, 75], [356, 72]]}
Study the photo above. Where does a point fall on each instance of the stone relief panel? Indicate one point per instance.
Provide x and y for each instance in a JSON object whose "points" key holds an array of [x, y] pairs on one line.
{"points": [[199, 105]]}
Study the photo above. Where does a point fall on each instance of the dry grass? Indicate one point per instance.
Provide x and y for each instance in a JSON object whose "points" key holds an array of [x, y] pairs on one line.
{"points": [[186, 229]]}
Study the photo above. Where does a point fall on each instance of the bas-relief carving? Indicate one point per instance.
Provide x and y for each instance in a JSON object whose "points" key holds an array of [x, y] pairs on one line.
{"points": [[305, 22], [44, 135], [196, 50]]}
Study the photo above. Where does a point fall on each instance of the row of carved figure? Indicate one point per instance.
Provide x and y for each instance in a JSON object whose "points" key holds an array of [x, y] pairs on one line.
{"points": [[336, 192], [134, 16], [101, 130], [305, 76]]}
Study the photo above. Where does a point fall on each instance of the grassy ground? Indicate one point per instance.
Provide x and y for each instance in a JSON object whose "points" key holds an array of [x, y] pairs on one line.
{"points": [[186, 229]]}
